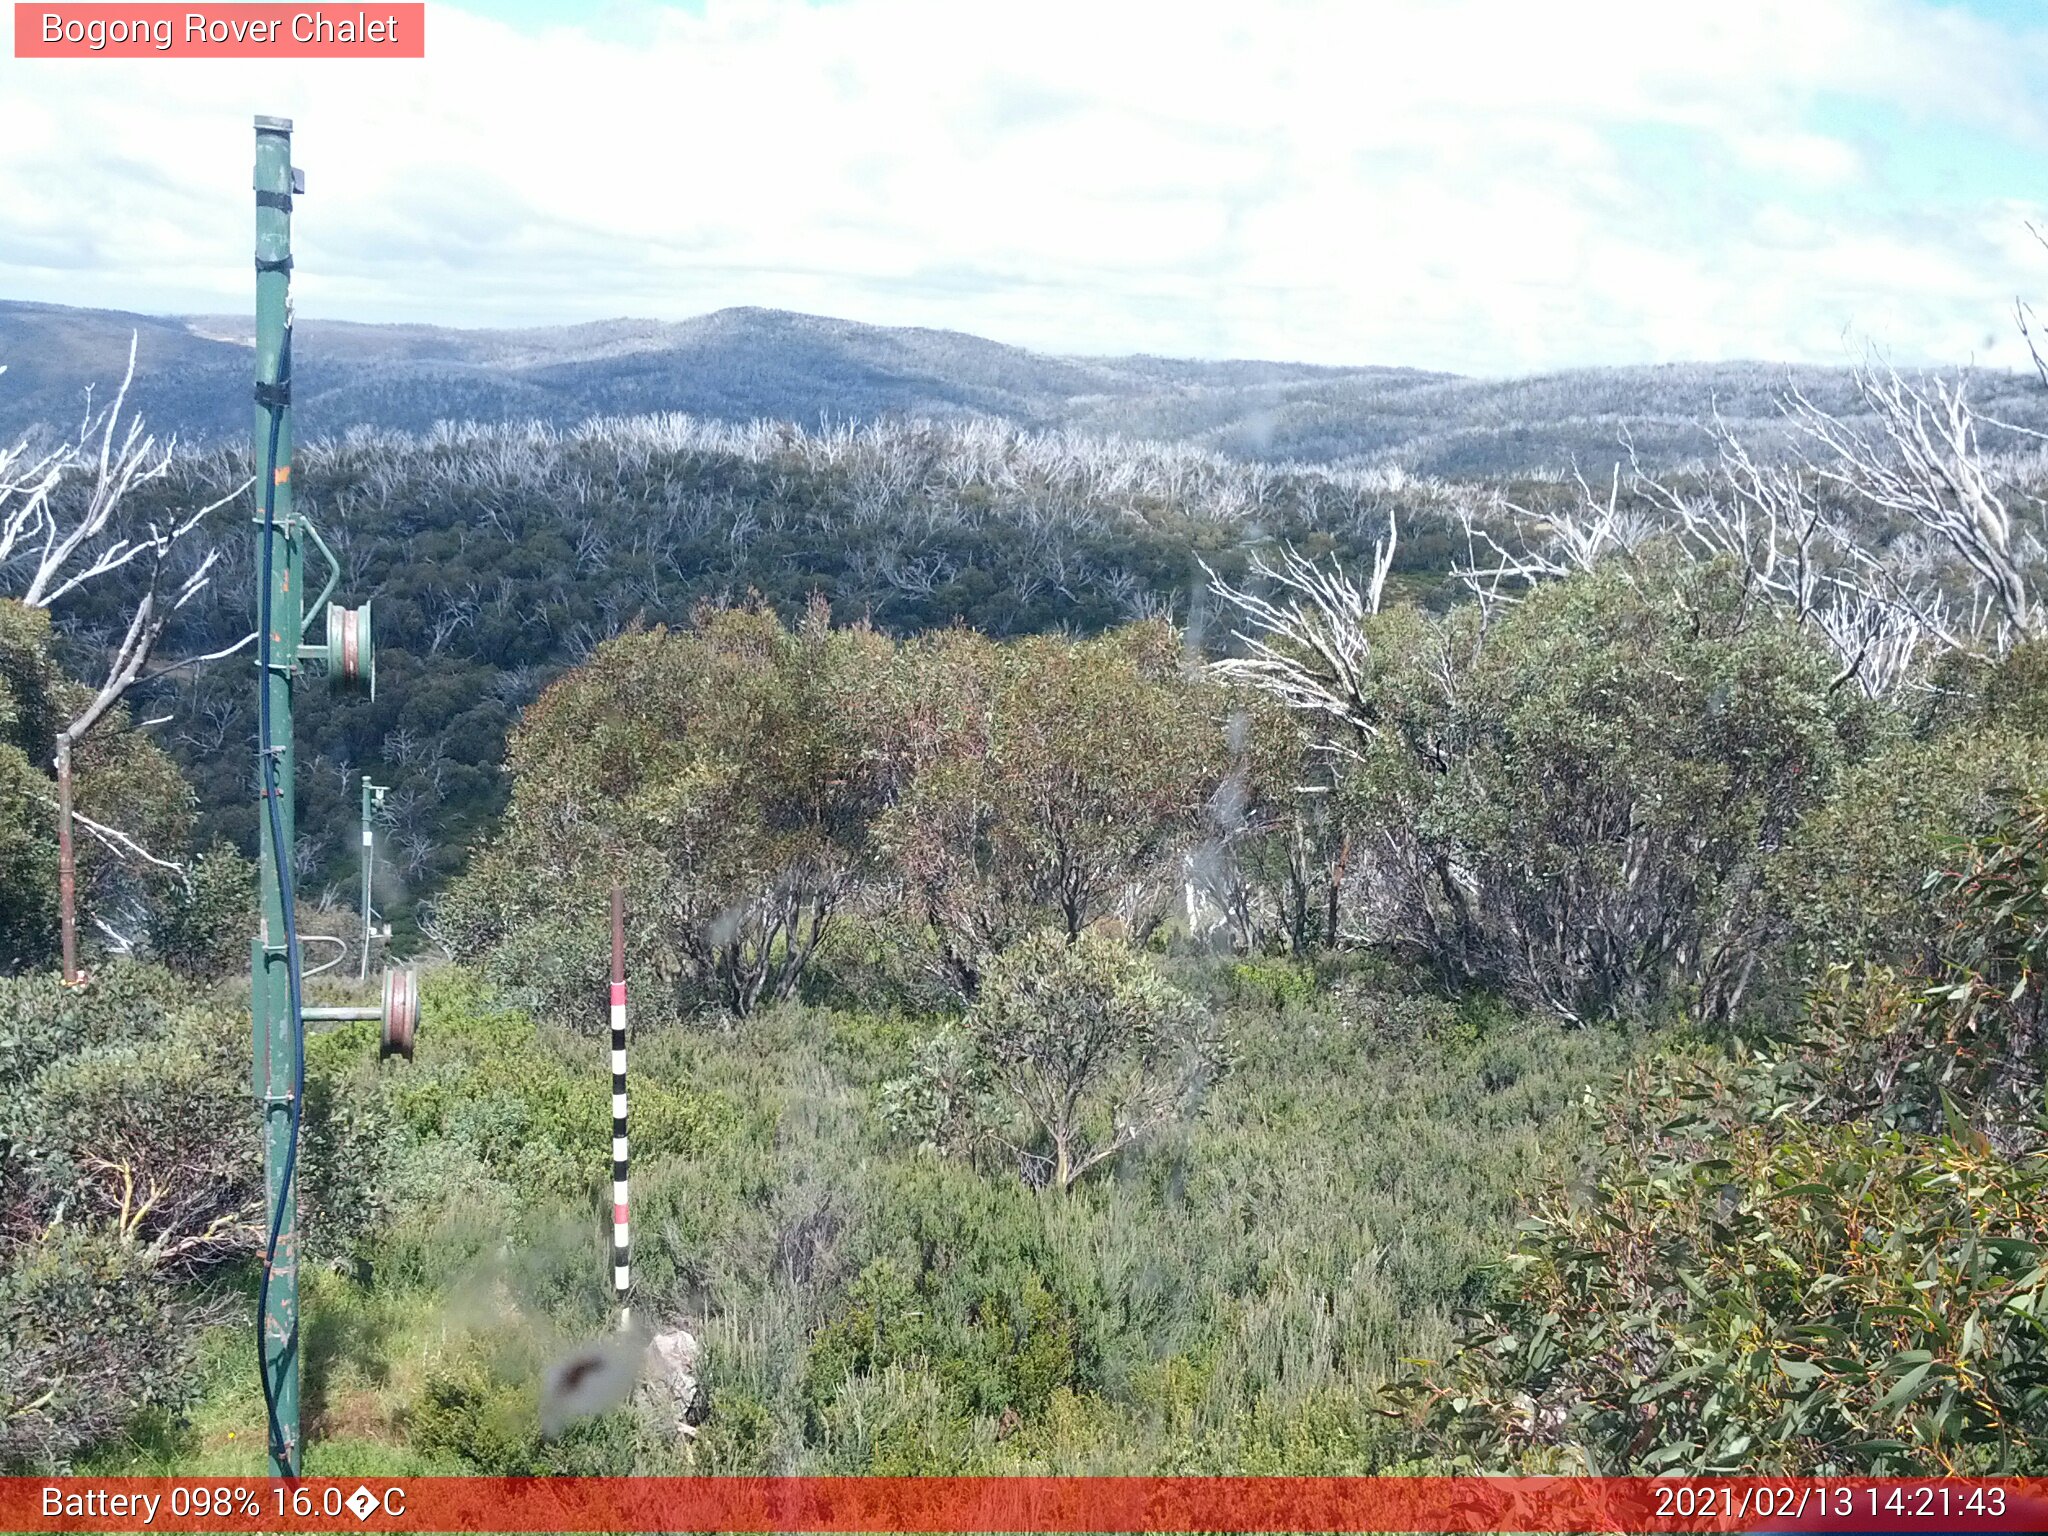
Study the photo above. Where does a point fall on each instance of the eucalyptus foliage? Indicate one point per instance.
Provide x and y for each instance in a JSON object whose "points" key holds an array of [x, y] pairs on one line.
{"points": [[1576, 799], [1827, 1255], [727, 775], [1082, 1041]]}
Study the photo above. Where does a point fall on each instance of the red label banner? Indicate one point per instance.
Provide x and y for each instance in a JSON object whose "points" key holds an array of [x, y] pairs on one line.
{"points": [[1937, 1507], [374, 31]]}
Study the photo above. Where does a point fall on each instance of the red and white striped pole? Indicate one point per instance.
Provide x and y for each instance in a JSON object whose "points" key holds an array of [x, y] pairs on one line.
{"points": [[621, 1268]]}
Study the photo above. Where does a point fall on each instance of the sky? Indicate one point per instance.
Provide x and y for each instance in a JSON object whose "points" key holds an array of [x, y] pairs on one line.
{"points": [[1483, 186]]}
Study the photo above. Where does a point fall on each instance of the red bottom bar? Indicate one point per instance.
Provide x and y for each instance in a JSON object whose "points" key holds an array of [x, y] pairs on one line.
{"points": [[987, 1504]]}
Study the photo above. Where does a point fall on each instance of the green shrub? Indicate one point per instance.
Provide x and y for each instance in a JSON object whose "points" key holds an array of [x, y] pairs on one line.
{"points": [[155, 1137], [1824, 1257], [448, 1220], [128, 1156], [899, 1422], [1571, 801], [490, 1425], [28, 862], [1046, 783], [533, 1105], [202, 932], [42, 1020], [1277, 983], [945, 1103], [738, 1438], [482, 1408], [353, 1147], [1792, 1300], [727, 774], [120, 776], [1091, 1046], [1849, 881], [90, 1334], [2015, 692], [989, 1348], [875, 965]]}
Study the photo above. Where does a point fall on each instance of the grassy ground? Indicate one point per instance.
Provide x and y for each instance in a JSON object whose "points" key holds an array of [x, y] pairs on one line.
{"points": [[1224, 1298]]}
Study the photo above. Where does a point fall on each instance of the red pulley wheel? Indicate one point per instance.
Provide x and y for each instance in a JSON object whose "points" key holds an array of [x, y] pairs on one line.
{"points": [[401, 1012], [351, 646]]}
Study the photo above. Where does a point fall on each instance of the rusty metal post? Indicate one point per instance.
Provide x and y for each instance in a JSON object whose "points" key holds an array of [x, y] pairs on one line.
{"points": [[67, 862]]}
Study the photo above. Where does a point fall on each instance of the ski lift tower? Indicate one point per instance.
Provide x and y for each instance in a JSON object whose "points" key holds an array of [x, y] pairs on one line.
{"points": [[277, 1001]]}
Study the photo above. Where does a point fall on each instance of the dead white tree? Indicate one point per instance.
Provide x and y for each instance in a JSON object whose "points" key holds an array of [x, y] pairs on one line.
{"points": [[1925, 463], [53, 544], [1309, 646], [1796, 551], [1547, 544], [1966, 577], [451, 615], [1880, 643]]}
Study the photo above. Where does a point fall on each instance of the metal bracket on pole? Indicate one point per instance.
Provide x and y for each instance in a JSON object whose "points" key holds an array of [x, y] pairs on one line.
{"points": [[333, 572]]}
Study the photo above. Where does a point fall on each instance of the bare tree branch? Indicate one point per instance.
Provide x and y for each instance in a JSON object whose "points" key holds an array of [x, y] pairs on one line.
{"points": [[122, 844], [1927, 466], [222, 654], [1310, 650], [2023, 312], [51, 558], [120, 943]]}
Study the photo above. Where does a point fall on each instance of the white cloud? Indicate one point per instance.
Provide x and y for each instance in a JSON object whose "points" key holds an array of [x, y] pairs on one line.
{"points": [[1439, 184]]}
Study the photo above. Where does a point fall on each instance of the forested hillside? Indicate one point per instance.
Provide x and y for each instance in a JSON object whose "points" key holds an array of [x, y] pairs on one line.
{"points": [[493, 557], [743, 365]]}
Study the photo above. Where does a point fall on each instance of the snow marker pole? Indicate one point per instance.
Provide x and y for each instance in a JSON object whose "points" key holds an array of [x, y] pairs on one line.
{"points": [[621, 1267]]}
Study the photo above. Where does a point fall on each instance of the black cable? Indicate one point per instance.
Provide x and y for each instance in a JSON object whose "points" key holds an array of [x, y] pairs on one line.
{"points": [[266, 758]]}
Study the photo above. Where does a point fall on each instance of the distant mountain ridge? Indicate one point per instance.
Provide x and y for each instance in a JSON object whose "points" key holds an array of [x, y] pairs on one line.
{"points": [[745, 364]]}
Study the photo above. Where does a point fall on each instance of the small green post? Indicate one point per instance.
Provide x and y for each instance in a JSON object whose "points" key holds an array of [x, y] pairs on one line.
{"points": [[373, 796], [271, 989]]}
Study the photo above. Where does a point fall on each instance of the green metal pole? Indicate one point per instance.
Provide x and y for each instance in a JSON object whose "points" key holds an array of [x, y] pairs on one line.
{"points": [[368, 850], [271, 982]]}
